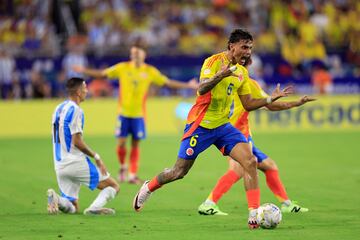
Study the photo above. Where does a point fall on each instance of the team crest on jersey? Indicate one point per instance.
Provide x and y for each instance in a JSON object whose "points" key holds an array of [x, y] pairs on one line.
{"points": [[241, 77], [207, 71], [189, 151]]}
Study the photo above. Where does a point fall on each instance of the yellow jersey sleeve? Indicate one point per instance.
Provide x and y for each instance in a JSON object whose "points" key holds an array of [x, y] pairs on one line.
{"points": [[256, 90], [157, 77], [113, 71], [244, 89], [210, 66]]}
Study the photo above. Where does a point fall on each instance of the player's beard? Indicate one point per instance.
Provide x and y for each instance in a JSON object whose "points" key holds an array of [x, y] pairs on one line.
{"points": [[247, 61], [242, 61]]}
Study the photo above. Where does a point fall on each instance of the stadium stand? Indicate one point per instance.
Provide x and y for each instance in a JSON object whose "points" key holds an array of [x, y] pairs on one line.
{"points": [[294, 40]]}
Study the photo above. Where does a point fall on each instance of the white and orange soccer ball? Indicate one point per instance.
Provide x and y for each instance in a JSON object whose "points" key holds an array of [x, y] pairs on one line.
{"points": [[269, 216]]}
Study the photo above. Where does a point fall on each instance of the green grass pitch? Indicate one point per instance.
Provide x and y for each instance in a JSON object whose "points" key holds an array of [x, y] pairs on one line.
{"points": [[320, 170]]}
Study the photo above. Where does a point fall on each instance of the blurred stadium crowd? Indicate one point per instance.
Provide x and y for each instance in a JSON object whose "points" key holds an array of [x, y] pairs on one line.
{"points": [[312, 43]]}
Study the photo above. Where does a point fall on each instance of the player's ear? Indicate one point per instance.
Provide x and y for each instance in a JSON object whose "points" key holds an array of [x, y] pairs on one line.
{"points": [[231, 45], [78, 91]]}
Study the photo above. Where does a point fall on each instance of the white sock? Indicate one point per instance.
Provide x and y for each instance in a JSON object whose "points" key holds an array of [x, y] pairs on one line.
{"points": [[209, 202], [104, 196], [286, 202], [66, 206], [252, 212]]}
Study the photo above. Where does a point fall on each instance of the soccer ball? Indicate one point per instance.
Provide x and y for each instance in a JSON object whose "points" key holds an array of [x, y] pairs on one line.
{"points": [[268, 216]]}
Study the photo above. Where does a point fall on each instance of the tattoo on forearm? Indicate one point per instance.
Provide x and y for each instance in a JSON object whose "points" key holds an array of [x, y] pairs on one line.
{"points": [[208, 84]]}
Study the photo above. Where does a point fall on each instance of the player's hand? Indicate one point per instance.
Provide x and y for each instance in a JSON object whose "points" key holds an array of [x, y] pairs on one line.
{"points": [[227, 71], [101, 167], [305, 99], [78, 68], [278, 93], [193, 84]]}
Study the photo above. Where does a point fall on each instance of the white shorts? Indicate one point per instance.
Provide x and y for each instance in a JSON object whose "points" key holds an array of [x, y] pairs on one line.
{"points": [[78, 173]]}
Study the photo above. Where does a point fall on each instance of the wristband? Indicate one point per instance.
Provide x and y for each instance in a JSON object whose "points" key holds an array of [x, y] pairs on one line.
{"points": [[97, 157], [233, 68], [268, 100]]}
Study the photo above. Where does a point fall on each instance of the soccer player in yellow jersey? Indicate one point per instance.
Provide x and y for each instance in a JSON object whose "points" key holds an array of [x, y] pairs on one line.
{"points": [[222, 78], [135, 78], [240, 119]]}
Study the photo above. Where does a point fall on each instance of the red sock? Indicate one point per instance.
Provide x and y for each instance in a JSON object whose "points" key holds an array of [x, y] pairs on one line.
{"points": [[274, 183], [223, 185], [134, 160], [121, 153], [154, 184], [253, 198]]}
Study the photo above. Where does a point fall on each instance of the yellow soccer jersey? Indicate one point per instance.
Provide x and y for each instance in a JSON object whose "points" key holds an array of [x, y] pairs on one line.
{"points": [[240, 117], [134, 84], [212, 109]]}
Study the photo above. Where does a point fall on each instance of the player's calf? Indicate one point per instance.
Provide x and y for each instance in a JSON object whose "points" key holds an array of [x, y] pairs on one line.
{"points": [[106, 194], [178, 171]]}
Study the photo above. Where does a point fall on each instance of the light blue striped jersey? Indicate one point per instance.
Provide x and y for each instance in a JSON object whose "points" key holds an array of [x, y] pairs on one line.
{"points": [[67, 119]]}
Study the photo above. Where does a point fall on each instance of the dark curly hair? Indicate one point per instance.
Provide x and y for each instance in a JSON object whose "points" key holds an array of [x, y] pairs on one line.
{"points": [[237, 35]]}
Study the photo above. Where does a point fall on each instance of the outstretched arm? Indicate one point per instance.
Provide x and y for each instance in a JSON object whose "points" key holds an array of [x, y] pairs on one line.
{"points": [[278, 106], [81, 145], [251, 104], [89, 71], [192, 84]]}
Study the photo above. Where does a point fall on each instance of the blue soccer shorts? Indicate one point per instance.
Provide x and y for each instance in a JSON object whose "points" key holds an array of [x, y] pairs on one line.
{"points": [[224, 137], [133, 126], [257, 152]]}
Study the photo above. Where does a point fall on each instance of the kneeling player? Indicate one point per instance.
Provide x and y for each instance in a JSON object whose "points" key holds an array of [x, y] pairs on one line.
{"points": [[72, 164]]}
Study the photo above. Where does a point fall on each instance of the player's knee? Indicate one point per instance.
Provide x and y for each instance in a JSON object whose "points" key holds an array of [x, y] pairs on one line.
{"points": [[250, 163], [253, 161], [122, 144], [135, 143], [271, 164]]}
